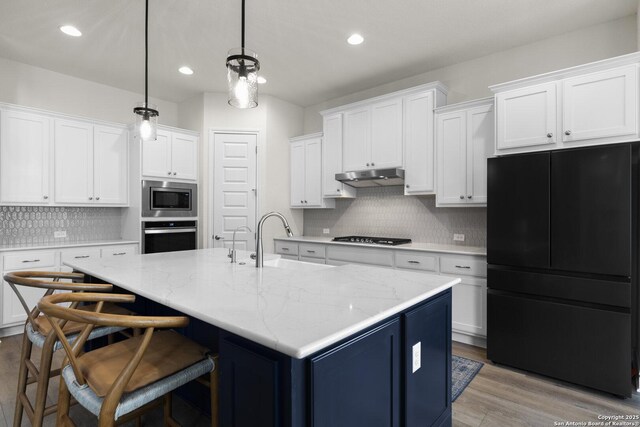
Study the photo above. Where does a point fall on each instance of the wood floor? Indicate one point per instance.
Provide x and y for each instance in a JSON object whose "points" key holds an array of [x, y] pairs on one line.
{"points": [[497, 396]]}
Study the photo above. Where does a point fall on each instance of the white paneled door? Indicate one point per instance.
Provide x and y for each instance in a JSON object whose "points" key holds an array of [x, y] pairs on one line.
{"points": [[234, 189]]}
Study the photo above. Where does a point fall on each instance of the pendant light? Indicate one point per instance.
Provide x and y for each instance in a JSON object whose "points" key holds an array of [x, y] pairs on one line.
{"points": [[146, 114], [242, 75]]}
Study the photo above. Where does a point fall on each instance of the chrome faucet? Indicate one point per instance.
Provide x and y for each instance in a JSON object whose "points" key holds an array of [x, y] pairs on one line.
{"points": [[232, 251], [259, 250]]}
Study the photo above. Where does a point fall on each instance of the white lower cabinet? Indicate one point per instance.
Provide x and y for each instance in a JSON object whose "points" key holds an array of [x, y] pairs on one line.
{"points": [[469, 313], [12, 312]]}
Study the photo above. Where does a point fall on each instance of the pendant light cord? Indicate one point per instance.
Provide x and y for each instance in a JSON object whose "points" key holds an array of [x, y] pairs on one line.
{"points": [[242, 27], [146, 54]]}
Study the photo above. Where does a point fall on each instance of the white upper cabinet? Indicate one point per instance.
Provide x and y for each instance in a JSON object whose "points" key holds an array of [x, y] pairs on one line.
{"points": [[356, 145], [73, 160], [527, 117], [306, 173], [91, 164], [156, 156], [465, 138], [174, 155], [589, 104], [110, 165], [373, 136], [24, 157], [419, 147], [600, 105], [332, 158], [386, 134], [184, 149]]}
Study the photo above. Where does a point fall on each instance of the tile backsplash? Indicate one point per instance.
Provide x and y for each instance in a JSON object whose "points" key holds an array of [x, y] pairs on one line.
{"points": [[387, 212], [36, 224]]}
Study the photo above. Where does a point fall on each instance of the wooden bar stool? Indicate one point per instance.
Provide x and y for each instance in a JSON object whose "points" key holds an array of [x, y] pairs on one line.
{"points": [[120, 381], [38, 332]]}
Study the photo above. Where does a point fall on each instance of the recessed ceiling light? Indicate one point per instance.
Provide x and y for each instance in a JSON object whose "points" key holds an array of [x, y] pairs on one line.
{"points": [[261, 80], [185, 70], [355, 39], [70, 30]]}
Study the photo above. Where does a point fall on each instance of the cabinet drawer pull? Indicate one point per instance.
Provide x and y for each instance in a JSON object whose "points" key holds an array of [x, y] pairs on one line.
{"points": [[285, 249], [463, 266], [310, 251], [413, 262], [31, 260], [119, 253], [81, 256]]}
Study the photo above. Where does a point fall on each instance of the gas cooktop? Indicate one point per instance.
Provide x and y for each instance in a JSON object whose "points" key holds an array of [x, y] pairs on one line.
{"points": [[372, 240]]}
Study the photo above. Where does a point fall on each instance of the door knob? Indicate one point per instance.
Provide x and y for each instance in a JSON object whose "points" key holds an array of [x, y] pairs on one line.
{"points": [[218, 237]]}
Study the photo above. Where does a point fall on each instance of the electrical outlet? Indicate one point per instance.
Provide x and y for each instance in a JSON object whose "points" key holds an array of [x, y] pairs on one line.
{"points": [[458, 237], [60, 234], [325, 231], [416, 356]]}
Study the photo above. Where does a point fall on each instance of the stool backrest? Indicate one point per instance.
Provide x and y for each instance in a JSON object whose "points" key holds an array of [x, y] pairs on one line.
{"points": [[58, 315], [49, 281]]}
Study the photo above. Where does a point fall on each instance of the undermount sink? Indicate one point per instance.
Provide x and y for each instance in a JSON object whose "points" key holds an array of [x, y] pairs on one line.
{"points": [[288, 264]]}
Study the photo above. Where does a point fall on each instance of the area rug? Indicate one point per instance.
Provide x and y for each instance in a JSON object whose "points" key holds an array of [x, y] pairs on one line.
{"points": [[462, 372]]}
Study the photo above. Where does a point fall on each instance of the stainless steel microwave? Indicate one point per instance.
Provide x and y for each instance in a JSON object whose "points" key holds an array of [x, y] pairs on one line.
{"points": [[169, 199]]}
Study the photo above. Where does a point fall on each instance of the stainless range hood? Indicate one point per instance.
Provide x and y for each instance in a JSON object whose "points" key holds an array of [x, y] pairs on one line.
{"points": [[372, 178]]}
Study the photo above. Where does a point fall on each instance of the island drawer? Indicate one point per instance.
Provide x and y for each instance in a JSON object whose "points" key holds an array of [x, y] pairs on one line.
{"points": [[286, 248], [311, 250], [29, 260], [416, 261], [466, 266]]}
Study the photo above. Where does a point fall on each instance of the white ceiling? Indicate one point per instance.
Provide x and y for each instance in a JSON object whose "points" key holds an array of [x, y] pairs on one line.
{"points": [[301, 43]]}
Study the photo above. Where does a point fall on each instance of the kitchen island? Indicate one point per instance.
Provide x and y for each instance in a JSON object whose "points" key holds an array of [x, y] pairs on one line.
{"points": [[305, 344]]}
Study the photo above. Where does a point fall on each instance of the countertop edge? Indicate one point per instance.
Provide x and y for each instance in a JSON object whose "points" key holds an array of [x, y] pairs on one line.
{"points": [[47, 246], [469, 250]]}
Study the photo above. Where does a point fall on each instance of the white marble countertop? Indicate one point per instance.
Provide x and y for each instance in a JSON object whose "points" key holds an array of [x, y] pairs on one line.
{"points": [[414, 246], [61, 245], [294, 312]]}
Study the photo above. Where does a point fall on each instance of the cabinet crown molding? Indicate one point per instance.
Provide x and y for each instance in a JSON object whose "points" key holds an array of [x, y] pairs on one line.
{"points": [[305, 137], [466, 104], [57, 115], [437, 85], [591, 67]]}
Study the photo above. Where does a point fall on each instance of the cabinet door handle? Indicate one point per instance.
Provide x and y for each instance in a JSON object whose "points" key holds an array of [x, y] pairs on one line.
{"points": [[407, 186], [175, 173], [169, 173], [549, 135], [305, 201], [31, 260], [469, 196], [373, 164], [338, 190], [367, 164], [90, 198], [81, 256], [567, 132], [463, 266], [413, 262], [461, 197], [45, 197], [119, 253], [98, 198]]}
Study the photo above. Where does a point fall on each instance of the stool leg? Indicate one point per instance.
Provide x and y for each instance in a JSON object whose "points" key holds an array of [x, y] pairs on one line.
{"points": [[23, 374], [64, 402], [43, 383], [167, 410]]}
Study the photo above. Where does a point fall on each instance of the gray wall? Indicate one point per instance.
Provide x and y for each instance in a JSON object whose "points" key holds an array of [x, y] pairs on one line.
{"points": [[387, 212], [36, 224]]}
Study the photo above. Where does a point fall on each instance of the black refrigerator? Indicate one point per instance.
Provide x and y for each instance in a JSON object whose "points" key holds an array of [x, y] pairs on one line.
{"points": [[562, 249]]}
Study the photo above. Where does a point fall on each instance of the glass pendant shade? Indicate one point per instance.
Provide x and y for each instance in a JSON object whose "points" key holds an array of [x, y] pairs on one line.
{"points": [[242, 77], [146, 121]]}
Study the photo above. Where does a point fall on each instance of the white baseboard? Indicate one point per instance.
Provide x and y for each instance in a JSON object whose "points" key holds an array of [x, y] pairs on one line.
{"points": [[11, 330], [469, 339]]}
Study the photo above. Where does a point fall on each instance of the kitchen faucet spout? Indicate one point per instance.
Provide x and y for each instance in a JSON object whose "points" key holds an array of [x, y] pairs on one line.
{"points": [[259, 249]]}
